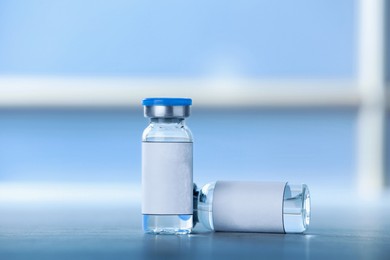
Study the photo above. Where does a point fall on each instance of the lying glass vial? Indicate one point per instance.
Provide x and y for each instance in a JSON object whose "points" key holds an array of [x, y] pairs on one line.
{"points": [[232, 206]]}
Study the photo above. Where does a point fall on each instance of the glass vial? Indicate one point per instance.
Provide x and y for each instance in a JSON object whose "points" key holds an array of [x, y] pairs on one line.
{"points": [[293, 214], [167, 182]]}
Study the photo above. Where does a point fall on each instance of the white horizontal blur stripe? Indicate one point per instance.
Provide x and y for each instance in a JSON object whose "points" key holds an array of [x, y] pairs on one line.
{"points": [[75, 193], [128, 92]]}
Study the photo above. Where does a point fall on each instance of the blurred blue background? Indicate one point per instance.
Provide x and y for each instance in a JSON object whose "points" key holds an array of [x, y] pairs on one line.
{"points": [[104, 145], [180, 39], [282, 90], [258, 40]]}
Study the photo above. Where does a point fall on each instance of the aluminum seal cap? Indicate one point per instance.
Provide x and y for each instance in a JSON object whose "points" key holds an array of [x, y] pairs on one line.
{"points": [[167, 107]]}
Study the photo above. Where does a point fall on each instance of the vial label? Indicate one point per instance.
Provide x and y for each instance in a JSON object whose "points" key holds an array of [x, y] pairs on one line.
{"points": [[167, 178], [248, 206]]}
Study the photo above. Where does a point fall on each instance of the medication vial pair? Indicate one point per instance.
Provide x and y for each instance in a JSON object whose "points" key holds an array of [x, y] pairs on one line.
{"points": [[172, 204]]}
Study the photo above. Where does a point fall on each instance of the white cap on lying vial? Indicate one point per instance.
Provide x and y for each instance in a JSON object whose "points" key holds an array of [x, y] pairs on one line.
{"points": [[234, 206]]}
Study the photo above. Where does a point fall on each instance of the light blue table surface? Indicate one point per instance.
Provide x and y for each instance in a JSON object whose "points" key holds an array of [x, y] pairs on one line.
{"points": [[70, 232]]}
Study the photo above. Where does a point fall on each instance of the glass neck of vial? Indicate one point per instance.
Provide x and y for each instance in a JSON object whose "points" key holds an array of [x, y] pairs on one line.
{"points": [[165, 120]]}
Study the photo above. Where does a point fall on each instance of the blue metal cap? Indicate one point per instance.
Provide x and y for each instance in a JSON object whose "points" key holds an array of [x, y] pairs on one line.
{"points": [[167, 102]]}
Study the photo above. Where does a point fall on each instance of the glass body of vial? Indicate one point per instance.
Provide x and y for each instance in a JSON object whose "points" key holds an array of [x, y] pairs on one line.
{"points": [[294, 212], [167, 181]]}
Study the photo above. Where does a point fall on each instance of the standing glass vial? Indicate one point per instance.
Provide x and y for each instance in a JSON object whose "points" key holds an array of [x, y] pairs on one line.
{"points": [[167, 182], [276, 207]]}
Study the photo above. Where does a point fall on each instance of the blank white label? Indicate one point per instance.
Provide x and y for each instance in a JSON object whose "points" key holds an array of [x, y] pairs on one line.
{"points": [[167, 184], [248, 206]]}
